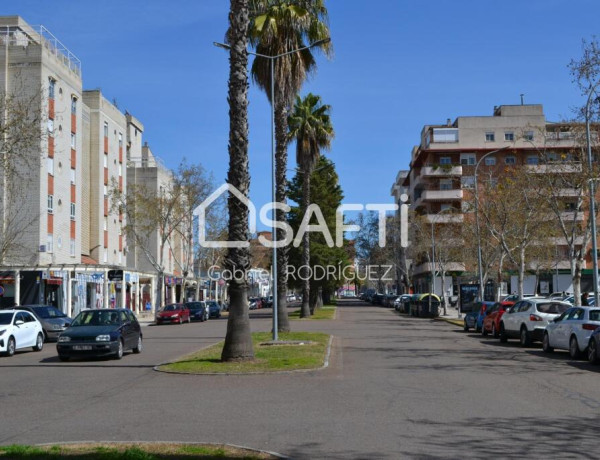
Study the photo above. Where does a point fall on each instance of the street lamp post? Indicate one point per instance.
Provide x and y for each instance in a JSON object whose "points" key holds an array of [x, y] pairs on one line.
{"points": [[592, 193], [479, 263], [272, 60]]}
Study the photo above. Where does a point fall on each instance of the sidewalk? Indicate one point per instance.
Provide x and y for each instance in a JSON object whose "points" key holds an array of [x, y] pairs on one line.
{"points": [[452, 316]]}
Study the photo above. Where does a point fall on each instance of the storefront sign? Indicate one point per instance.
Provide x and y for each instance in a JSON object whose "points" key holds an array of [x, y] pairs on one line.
{"points": [[115, 275]]}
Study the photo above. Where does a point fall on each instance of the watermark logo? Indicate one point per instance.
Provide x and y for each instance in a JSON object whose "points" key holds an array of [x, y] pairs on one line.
{"points": [[313, 211]]}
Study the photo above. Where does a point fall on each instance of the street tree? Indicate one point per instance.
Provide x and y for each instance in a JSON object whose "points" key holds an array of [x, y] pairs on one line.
{"points": [[21, 138], [161, 217], [238, 341], [276, 28], [327, 194], [311, 129]]}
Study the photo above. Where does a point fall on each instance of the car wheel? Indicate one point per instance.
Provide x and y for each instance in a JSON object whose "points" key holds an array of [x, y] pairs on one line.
{"points": [[546, 344], [503, 336], [483, 331], [573, 348], [11, 346], [525, 339], [593, 352], [494, 331], [119, 353], [466, 327], [140, 346], [39, 342]]}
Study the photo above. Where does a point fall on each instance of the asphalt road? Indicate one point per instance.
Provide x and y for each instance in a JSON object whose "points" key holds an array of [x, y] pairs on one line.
{"points": [[396, 387]]}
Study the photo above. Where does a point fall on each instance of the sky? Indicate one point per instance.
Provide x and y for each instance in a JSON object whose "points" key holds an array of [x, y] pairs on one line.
{"points": [[397, 66]]}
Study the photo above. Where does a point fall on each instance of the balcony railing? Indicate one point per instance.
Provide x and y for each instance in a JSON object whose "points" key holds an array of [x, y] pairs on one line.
{"points": [[442, 195], [441, 170], [444, 218]]}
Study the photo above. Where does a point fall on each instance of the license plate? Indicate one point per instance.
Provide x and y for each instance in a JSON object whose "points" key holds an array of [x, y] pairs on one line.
{"points": [[82, 347]]}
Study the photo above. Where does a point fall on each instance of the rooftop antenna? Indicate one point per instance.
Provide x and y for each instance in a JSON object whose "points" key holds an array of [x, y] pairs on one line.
{"points": [[522, 98]]}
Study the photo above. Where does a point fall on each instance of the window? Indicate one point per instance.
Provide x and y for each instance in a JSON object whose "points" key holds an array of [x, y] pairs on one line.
{"points": [[533, 160], [50, 127], [50, 166], [467, 159], [51, 86], [50, 204], [493, 182], [72, 248], [72, 211], [445, 206], [552, 156], [105, 160], [105, 226], [528, 136], [120, 257], [105, 129], [571, 206], [490, 136], [120, 140], [73, 141], [490, 161], [105, 257], [467, 181], [105, 191], [445, 135], [120, 169], [72, 176], [50, 243], [73, 105], [445, 161], [446, 184], [510, 160], [509, 136]]}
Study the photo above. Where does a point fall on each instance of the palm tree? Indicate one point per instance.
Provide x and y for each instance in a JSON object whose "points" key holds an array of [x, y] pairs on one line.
{"points": [[278, 27], [310, 126], [238, 341]]}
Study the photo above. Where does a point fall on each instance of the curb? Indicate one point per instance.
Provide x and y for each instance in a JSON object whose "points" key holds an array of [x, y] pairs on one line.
{"points": [[294, 371], [134, 443], [456, 322]]}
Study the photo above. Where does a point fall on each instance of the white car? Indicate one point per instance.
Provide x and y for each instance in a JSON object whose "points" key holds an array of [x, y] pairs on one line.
{"points": [[528, 318], [571, 330], [19, 329]]}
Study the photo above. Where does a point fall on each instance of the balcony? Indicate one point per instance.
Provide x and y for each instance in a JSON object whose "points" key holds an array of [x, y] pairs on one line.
{"points": [[441, 171], [555, 168], [442, 218], [442, 195]]}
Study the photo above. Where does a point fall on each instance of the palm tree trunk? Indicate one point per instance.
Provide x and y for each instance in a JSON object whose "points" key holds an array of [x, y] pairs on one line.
{"points": [[305, 312], [283, 323], [238, 341]]}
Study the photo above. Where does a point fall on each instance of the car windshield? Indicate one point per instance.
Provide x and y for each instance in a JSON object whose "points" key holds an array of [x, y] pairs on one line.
{"points": [[553, 308], [5, 318], [171, 308], [96, 318], [48, 312], [193, 306], [213, 304]]}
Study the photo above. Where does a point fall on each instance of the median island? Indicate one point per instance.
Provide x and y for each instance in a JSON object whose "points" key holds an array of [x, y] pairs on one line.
{"points": [[324, 312], [294, 351]]}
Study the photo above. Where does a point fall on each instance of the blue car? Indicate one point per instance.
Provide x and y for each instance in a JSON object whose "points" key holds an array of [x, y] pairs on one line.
{"points": [[214, 309], [474, 318], [484, 308]]}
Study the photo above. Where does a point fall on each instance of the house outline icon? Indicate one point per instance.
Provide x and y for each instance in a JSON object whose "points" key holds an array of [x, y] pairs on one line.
{"points": [[201, 212]]}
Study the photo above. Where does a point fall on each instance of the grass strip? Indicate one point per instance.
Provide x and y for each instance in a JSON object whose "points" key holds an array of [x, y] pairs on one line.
{"points": [[325, 312], [268, 358], [142, 451]]}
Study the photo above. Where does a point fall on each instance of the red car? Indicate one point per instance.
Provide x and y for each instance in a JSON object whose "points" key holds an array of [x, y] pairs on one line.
{"points": [[491, 323], [174, 313]]}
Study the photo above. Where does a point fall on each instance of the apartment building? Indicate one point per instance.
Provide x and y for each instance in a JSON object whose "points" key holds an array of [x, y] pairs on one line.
{"points": [[442, 174], [64, 241]]}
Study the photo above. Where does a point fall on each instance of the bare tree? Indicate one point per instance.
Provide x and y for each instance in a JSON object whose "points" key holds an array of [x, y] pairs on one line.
{"points": [[22, 135]]}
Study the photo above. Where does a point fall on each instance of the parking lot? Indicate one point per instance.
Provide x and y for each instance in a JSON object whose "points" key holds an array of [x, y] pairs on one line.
{"points": [[396, 386]]}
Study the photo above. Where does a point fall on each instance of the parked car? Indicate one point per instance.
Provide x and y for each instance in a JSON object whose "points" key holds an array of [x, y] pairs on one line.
{"points": [[198, 310], [484, 308], [214, 309], [571, 330], [528, 318], [19, 329], [52, 319], [491, 322], [593, 348], [470, 320], [102, 332], [590, 299], [173, 313]]}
